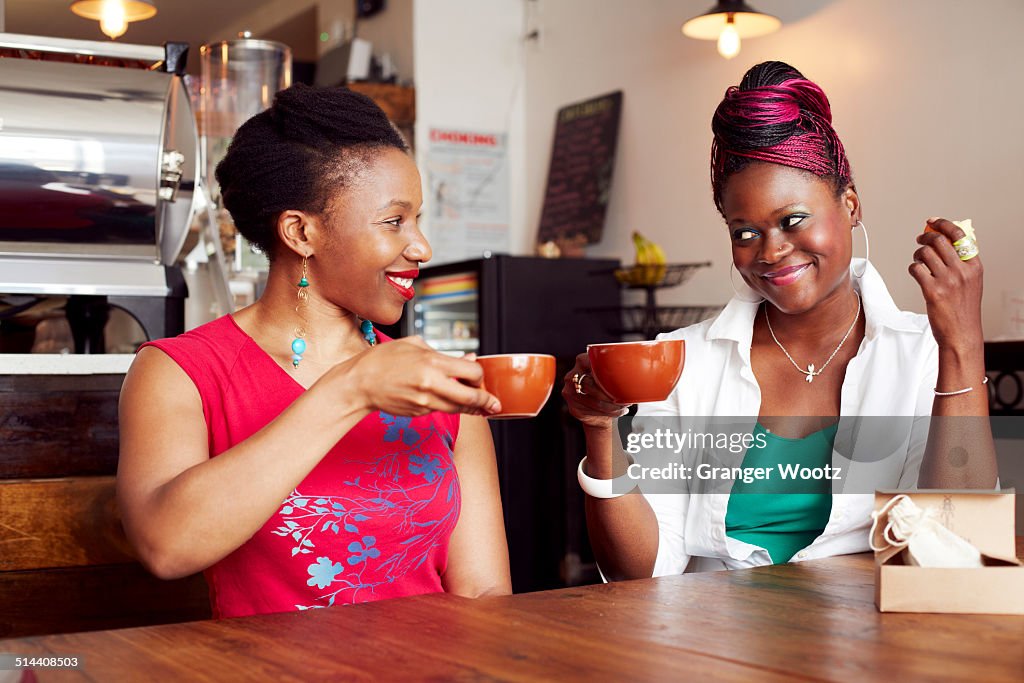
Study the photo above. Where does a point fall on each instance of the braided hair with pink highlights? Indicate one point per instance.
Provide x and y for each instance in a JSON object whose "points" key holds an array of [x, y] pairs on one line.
{"points": [[777, 116]]}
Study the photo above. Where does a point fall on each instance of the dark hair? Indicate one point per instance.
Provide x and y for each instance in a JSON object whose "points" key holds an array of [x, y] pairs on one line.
{"points": [[778, 116], [295, 154]]}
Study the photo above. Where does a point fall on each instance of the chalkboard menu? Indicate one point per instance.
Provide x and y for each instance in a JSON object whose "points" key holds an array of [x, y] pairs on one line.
{"points": [[580, 175]]}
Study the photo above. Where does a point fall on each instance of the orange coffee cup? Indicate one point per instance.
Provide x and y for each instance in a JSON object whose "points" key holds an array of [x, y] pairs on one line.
{"points": [[637, 372], [521, 381]]}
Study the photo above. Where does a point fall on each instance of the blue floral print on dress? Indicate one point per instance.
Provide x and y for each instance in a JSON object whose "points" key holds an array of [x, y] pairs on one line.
{"points": [[363, 550], [398, 427], [323, 572], [389, 492], [429, 467]]}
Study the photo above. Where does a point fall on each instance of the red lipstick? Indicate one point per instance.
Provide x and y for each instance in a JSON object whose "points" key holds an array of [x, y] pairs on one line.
{"points": [[407, 276]]}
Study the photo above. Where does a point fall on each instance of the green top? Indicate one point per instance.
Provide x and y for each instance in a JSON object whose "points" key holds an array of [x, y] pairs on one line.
{"points": [[782, 515]]}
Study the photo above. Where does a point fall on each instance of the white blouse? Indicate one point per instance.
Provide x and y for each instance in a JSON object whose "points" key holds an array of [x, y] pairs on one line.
{"points": [[893, 374]]}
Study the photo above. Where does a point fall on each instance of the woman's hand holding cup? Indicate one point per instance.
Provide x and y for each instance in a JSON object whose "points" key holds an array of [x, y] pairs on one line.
{"points": [[406, 377], [587, 401]]}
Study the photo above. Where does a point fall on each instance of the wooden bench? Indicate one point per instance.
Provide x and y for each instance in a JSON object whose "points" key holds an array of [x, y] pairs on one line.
{"points": [[65, 564]]}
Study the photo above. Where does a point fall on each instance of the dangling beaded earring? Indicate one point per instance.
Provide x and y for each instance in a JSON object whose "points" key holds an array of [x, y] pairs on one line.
{"points": [[299, 343], [366, 327]]}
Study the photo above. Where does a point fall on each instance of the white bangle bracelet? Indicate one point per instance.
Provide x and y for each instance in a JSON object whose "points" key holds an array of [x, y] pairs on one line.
{"points": [[958, 391], [601, 488]]}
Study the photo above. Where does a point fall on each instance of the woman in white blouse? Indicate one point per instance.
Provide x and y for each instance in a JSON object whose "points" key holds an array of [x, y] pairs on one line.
{"points": [[811, 336]]}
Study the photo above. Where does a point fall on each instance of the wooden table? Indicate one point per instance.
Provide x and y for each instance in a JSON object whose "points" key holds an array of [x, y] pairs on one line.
{"points": [[809, 621]]}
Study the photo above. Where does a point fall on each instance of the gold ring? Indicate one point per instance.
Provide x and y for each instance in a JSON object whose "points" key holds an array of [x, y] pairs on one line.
{"points": [[577, 380], [966, 248]]}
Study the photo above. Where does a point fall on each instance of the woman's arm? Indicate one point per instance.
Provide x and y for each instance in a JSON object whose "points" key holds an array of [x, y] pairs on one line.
{"points": [[184, 511], [624, 530], [477, 551], [960, 451]]}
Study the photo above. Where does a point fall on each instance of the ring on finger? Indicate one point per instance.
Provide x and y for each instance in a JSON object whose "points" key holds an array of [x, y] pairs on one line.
{"points": [[966, 248], [577, 381]]}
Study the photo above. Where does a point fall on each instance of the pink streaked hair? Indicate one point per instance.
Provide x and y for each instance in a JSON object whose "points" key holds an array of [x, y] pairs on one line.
{"points": [[788, 123]]}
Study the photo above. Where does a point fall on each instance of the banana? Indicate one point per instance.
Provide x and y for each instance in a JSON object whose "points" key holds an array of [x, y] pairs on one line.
{"points": [[650, 261]]}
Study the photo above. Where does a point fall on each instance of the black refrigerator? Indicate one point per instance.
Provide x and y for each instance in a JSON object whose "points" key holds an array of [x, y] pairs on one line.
{"points": [[517, 304]]}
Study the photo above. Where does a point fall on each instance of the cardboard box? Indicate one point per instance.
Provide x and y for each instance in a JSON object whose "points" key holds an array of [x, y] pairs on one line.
{"points": [[986, 520]]}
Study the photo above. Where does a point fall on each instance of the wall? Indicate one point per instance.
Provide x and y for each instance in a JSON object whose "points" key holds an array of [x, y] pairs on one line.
{"points": [[469, 75], [925, 100], [300, 32]]}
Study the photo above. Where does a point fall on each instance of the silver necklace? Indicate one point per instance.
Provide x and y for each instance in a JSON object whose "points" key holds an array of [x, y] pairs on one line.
{"points": [[810, 373]]}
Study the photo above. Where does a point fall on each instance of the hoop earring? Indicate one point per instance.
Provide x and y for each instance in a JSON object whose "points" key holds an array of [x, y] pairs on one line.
{"points": [[732, 267], [302, 298], [867, 250]]}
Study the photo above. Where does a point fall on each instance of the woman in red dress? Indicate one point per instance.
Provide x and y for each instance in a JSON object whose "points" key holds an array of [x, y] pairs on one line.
{"points": [[290, 451]]}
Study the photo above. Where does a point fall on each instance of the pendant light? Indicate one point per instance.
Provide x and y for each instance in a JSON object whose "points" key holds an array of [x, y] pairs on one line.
{"points": [[114, 15], [729, 21]]}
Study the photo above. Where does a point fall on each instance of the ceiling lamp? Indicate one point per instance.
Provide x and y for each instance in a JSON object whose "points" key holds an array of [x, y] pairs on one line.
{"points": [[114, 15], [727, 22]]}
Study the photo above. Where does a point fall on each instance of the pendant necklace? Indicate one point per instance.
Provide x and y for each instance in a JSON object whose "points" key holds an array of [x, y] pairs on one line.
{"points": [[810, 373]]}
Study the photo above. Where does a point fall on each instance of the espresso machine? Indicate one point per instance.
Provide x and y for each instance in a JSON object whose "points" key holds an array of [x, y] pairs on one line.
{"points": [[99, 163]]}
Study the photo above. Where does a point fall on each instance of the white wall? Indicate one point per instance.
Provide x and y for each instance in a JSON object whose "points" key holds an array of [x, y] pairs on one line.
{"points": [[469, 75], [926, 95]]}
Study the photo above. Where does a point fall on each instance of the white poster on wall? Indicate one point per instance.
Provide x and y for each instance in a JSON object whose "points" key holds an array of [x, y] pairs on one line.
{"points": [[467, 194]]}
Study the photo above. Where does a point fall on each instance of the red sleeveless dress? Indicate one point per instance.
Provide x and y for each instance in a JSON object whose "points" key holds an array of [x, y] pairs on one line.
{"points": [[371, 521]]}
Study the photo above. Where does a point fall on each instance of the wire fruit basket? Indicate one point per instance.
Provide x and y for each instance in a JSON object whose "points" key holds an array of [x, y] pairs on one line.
{"points": [[657, 275]]}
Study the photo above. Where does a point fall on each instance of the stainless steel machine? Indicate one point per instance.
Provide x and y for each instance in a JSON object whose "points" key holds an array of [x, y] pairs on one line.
{"points": [[99, 161]]}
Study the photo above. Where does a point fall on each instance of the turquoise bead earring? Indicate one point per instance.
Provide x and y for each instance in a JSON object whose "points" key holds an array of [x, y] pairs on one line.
{"points": [[299, 343], [368, 334]]}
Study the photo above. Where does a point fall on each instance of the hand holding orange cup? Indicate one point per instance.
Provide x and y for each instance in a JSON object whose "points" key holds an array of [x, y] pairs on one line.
{"points": [[521, 381], [637, 372]]}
